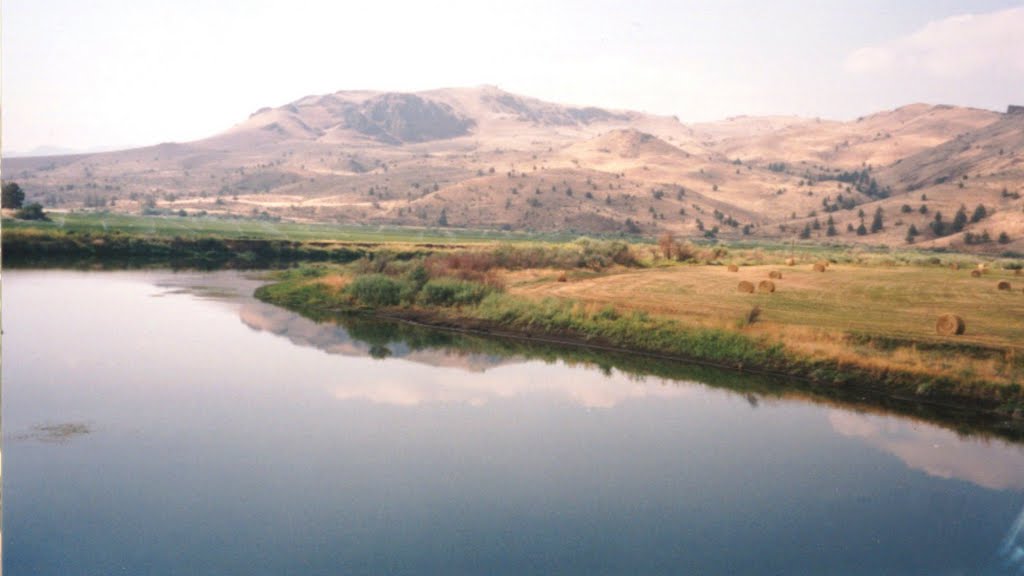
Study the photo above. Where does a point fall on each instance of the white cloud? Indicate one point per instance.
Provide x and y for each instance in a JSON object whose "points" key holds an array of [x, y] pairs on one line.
{"points": [[406, 385], [936, 451], [955, 48]]}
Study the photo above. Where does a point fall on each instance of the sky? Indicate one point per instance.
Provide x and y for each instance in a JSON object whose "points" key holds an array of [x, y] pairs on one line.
{"points": [[95, 74]]}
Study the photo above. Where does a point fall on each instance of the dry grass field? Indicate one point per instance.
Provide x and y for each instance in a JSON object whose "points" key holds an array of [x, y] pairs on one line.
{"points": [[862, 314]]}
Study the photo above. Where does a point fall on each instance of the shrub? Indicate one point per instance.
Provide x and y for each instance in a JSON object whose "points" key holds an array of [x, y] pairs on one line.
{"points": [[582, 253], [32, 211], [452, 292], [376, 290]]}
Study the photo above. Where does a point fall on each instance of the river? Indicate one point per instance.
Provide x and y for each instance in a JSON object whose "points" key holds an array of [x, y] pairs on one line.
{"points": [[167, 423]]}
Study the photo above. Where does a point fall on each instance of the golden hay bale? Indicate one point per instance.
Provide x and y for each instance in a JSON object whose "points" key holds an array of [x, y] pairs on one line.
{"points": [[562, 277], [819, 267], [954, 266], [734, 268], [746, 287], [775, 274], [766, 286], [790, 261], [975, 273], [950, 324], [1004, 285]]}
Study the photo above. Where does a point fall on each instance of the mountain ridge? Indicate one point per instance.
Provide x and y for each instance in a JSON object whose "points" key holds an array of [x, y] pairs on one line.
{"points": [[485, 158]]}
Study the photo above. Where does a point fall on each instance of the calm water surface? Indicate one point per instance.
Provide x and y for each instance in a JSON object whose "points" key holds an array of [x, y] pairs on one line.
{"points": [[163, 423]]}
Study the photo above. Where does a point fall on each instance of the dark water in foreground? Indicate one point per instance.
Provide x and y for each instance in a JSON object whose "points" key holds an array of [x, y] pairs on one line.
{"points": [[160, 423]]}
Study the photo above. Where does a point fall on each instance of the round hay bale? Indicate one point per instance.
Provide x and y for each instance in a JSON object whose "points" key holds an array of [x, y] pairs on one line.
{"points": [[954, 266], [775, 274], [819, 267], [746, 287], [766, 286], [562, 277], [950, 324], [790, 261], [734, 268], [1004, 285], [975, 273]]}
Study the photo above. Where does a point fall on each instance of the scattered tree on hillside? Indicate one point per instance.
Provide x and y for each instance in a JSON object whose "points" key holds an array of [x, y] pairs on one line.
{"points": [[979, 214], [1004, 238], [912, 234], [830, 229], [972, 238], [863, 182], [960, 220], [12, 195], [862, 230], [806, 232], [846, 203], [442, 220], [938, 226], [876, 222]]}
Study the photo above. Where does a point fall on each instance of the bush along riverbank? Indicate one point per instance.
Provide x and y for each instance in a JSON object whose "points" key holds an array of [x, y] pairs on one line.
{"points": [[463, 291], [31, 247]]}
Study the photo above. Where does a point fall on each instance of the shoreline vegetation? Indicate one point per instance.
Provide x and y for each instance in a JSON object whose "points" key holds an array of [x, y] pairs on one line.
{"points": [[496, 292], [832, 320], [381, 333]]}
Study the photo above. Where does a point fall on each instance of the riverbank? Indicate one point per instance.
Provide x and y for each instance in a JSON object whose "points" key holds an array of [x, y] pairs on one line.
{"points": [[50, 247], [865, 320], [880, 368]]}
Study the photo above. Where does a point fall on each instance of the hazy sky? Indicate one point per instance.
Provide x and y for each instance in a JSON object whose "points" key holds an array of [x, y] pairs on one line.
{"points": [[95, 73]]}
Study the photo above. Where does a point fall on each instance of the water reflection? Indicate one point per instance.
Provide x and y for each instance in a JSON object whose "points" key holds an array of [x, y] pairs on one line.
{"points": [[222, 446], [589, 390], [936, 451], [360, 336], [465, 355]]}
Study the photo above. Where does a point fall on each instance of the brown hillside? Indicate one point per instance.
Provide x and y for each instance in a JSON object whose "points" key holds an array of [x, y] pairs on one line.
{"points": [[481, 157]]}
